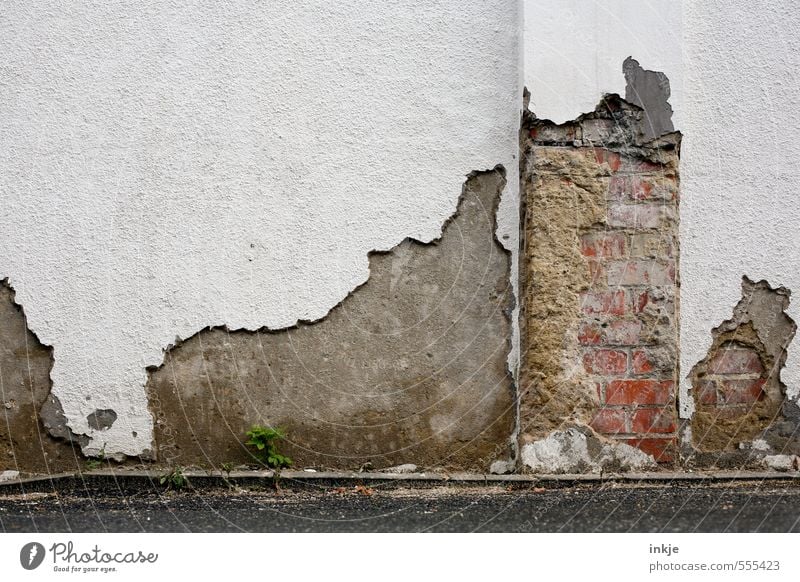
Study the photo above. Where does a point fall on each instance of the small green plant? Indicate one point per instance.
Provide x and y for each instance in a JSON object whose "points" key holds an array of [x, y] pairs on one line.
{"points": [[265, 441], [92, 464], [175, 479], [227, 468]]}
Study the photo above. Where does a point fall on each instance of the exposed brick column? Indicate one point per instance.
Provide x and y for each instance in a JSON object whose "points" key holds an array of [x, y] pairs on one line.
{"points": [[600, 332], [630, 352]]}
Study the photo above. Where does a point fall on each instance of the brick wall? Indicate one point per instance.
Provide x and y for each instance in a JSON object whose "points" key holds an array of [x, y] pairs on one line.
{"points": [[617, 306], [632, 261]]}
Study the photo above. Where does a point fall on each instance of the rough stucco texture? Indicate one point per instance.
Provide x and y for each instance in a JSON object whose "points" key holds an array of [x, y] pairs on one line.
{"points": [[573, 50], [741, 209], [169, 167], [410, 367]]}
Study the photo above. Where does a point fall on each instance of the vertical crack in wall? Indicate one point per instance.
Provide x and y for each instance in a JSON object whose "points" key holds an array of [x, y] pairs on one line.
{"points": [[741, 410], [411, 367], [598, 286], [25, 363]]}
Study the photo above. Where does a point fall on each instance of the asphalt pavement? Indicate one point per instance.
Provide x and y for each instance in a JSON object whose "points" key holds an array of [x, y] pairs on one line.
{"points": [[350, 506]]}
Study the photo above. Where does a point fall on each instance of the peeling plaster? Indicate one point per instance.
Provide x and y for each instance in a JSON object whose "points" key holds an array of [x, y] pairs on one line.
{"points": [[649, 90], [411, 366], [574, 48], [169, 168], [740, 206], [761, 330], [25, 364]]}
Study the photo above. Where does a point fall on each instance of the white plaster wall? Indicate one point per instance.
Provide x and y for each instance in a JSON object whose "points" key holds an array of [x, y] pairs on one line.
{"points": [[574, 51], [740, 211], [733, 69], [165, 166]]}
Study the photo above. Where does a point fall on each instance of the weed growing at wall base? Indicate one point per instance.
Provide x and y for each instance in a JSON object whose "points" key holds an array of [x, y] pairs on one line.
{"points": [[175, 479], [265, 441]]}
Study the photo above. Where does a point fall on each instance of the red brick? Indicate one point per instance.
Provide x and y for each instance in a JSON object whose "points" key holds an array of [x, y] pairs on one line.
{"points": [[653, 420], [640, 301], [639, 392], [735, 361], [618, 188], [641, 272], [610, 421], [597, 272], [590, 334], [605, 362], [663, 450], [652, 188], [603, 245], [623, 332], [641, 362], [603, 302], [604, 156], [707, 392], [635, 215], [741, 391]]}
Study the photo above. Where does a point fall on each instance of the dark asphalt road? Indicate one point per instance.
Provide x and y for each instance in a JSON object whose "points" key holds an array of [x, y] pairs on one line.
{"points": [[751, 507]]}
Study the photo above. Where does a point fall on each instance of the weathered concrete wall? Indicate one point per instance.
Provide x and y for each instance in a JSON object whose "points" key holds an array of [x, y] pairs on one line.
{"points": [[410, 368], [166, 179], [598, 287]]}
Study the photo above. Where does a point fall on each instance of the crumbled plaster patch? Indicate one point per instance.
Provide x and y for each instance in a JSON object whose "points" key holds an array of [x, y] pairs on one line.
{"points": [[758, 333], [502, 467], [400, 469], [580, 450], [782, 462], [565, 192], [53, 419], [412, 365], [8, 475]]}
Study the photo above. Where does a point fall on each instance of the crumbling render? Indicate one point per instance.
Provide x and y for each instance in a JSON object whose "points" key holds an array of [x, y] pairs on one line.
{"points": [[742, 414], [25, 366], [578, 449], [598, 281], [411, 366]]}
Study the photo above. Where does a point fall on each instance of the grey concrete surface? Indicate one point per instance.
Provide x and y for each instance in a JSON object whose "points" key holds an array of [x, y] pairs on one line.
{"points": [[323, 505]]}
